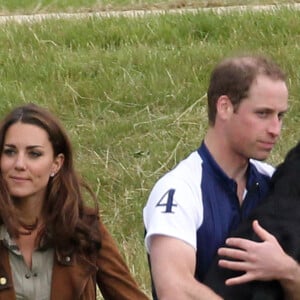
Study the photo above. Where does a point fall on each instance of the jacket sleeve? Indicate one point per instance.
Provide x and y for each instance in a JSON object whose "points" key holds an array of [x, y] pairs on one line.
{"points": [[113, 276]]}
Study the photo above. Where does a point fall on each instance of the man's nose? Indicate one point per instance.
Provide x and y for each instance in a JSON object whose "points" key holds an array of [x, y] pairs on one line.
{"points": [[275, 126]]}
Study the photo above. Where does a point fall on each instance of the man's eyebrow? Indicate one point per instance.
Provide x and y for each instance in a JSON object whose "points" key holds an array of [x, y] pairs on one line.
{"points": [[268, 109]]}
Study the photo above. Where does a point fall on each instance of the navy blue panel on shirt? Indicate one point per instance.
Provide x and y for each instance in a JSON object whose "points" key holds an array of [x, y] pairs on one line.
{"points": [[221, 208]]}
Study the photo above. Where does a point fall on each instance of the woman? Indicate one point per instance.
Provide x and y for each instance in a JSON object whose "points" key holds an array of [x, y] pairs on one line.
{"points": [[51, 245]]}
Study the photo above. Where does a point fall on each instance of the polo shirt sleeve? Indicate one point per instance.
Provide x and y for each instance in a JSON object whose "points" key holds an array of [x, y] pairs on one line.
{"points": [[174, 209]]}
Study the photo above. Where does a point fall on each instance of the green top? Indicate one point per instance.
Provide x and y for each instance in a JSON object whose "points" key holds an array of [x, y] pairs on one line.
{"points": [[34, 283]]}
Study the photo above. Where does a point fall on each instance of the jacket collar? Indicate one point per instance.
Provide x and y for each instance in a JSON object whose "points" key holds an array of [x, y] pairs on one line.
{"points": [[70, 277]]}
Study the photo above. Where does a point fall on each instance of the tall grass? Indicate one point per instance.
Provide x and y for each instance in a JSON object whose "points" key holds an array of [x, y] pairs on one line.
{"points": [[131, 93]]}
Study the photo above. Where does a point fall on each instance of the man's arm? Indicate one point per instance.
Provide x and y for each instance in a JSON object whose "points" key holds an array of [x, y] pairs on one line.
{"points": [[291, 280], [264, 260], [173, 265]]}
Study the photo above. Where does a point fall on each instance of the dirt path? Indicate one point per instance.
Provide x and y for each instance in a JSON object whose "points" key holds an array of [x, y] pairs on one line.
{"points": [[138, 13]]}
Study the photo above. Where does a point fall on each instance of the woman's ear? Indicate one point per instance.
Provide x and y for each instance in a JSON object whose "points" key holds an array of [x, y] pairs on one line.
{"points": [[57, 164]]}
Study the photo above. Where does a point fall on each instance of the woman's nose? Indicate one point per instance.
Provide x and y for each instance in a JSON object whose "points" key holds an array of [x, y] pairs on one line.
{"points": [[20, 162]]}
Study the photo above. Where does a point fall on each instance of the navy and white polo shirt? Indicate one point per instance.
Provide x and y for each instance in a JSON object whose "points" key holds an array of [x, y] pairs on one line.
{"points": [[197, 202]]}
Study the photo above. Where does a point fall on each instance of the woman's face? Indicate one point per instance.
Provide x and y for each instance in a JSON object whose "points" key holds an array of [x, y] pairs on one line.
{"points": [[27, 161]]}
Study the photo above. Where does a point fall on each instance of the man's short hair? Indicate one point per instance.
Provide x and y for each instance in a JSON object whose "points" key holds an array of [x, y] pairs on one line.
{"points": [[234, 76]]}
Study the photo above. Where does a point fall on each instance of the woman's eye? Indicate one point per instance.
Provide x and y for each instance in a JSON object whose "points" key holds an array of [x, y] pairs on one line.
{"points": [[9, 152], [35, 154]]}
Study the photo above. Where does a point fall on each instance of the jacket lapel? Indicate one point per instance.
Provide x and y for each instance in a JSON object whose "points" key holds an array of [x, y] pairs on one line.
{"points": [[6, 285], [71, 277]]}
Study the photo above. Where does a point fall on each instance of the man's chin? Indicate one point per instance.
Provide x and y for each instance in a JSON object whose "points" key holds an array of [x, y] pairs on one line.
{"points": [[262, 155]]}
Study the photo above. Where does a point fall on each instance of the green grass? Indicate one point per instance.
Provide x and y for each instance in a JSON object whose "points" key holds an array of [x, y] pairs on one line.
{"points": [[41, 6], [131, 93]]}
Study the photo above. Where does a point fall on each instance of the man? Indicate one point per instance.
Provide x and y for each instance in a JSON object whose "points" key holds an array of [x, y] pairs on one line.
{"points": [[192, 209]]}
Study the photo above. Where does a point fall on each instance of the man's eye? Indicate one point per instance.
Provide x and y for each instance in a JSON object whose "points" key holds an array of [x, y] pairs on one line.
{"points": [[262, 114], [281, 116]]}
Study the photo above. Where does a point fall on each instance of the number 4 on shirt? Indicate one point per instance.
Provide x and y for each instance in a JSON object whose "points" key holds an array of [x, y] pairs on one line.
{"points": [[167, 201]]}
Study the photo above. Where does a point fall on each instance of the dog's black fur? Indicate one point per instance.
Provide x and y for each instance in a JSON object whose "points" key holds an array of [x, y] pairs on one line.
{"points": [[279, 214]]}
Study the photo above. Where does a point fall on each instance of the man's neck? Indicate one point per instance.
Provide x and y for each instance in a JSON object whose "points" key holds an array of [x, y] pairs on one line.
{"points": [[234, 165]]}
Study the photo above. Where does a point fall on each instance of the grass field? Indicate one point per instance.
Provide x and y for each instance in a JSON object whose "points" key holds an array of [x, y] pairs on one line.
{"points": [[131, 92]]}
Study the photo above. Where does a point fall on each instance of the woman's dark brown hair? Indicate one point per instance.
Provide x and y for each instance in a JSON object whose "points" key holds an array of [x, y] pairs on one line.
{"points": [[69, 225]]}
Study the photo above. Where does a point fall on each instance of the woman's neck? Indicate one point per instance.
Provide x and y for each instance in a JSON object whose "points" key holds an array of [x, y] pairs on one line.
{"points": [[29, 210]]}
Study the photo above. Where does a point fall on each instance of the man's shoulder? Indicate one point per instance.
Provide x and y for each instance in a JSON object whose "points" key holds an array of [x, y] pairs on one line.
{"points": [[186, 175], [187, 169]]}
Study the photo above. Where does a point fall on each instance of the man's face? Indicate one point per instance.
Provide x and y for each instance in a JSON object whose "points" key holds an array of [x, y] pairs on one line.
{"points": [[255, 126]]}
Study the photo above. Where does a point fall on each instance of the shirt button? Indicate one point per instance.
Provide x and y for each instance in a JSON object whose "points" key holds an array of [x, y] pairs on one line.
{"points": [[27, 276], [67, 259], [3, 280]]}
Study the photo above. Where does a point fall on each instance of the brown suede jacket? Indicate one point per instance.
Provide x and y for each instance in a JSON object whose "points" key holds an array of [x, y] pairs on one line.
{"points": [[74, 277]]}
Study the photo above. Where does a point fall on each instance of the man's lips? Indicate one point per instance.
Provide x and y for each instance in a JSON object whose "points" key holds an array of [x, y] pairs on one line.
{"points": [[267, 145]]}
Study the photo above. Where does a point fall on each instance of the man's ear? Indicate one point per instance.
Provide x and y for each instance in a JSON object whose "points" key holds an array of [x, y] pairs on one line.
{"points": [[224, 107]]}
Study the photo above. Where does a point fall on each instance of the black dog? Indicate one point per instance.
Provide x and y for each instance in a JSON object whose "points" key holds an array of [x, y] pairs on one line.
{"points": [[279, 214]]}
